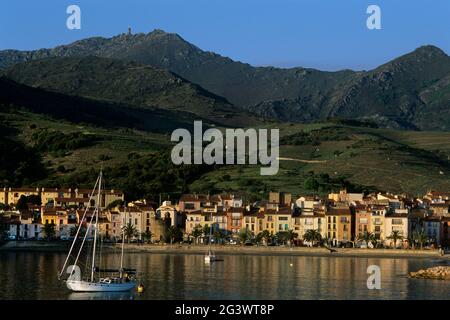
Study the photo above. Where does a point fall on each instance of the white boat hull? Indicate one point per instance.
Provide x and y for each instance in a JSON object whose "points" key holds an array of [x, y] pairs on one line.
{"points": [[210, 258], [85, 286]]}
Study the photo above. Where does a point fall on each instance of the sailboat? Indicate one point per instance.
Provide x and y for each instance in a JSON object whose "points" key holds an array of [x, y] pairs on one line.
{"points": [[210, 256], [113, 280]]}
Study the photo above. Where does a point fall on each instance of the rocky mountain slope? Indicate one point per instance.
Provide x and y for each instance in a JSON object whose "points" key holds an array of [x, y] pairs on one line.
{"points": [[410, 92]]}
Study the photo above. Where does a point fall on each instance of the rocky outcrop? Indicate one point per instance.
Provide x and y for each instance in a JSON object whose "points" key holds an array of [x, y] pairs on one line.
{"points": [[439, 273]]}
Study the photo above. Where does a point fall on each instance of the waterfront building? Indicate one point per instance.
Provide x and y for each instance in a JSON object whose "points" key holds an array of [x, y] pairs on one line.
{"points": [[338, 225], [377, 221], [234, 220], [170, 214], [362, 220], [311, 220], [396, 221]]}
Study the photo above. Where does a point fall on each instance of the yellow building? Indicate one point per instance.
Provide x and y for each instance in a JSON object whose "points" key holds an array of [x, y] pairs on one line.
{"points": [[11, 196], [377, 221], [194, 219], [339, 225], [254, 222]]}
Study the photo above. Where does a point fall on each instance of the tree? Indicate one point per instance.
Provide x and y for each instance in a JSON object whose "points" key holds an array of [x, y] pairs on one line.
{"points": [[3, 232], [266, 236], [368, 237], [311, 184], [114, 204], [219, 235], [420, 238], [291, 235], [312, 236], [244, 235], [74, 229], [174, 234], [395, 236], [130, 231], [147, 236], [3, 207], [24, 201], [49, 231], [197, 233]]}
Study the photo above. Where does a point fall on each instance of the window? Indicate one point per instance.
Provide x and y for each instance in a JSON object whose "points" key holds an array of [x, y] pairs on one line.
{"points": [[397, 221], [363, 220], [189, 206], [283, 218]]}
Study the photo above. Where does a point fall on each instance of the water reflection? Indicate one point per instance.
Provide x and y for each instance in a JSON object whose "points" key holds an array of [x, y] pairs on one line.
{"points": [[102, 296], [176, 276]]}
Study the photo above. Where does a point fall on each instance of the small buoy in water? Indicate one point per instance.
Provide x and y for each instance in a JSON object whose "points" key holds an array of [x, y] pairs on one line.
{"points": [[291, 265], [140, 288]]}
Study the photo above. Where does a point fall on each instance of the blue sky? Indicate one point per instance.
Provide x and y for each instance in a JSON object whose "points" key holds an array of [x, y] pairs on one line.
{"points": [[323, 34]]}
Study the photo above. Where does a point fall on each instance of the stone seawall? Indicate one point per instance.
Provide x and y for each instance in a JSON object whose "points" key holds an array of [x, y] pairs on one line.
{"points": [[262, 250], [16, 246]]}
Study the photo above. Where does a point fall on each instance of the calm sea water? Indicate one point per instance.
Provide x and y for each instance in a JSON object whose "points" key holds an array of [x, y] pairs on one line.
{"points": [[27, 275]]}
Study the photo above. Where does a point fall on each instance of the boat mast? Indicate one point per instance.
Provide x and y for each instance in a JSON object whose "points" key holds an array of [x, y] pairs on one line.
{"points": [[210, 232], [96, 224], [78, 232], [123, 240]]}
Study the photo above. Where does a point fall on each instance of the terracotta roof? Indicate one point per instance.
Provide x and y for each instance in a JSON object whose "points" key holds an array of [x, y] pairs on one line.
{"points": [[72, 199], [396, 215], [196, 212], [193, 197], [338, 212]]}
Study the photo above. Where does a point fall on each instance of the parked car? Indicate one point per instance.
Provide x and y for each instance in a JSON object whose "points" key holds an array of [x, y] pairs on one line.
{"points": [[11, 238]]}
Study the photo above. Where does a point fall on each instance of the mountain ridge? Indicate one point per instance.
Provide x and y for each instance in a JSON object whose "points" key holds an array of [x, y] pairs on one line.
{"points": [[390, 94]]}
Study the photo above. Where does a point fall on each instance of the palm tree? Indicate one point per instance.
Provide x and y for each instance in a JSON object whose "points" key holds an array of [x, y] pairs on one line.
{"points": [[368, 237], [147, 236], [395, 236], [130, 231], [49, 231], [219, 235], [206, 230], [420, 237], [174, 234], [197, 233], [312, 236], [291, 235], [266, 236]]}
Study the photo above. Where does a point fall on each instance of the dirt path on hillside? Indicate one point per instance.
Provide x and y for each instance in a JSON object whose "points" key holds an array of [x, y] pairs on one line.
{"points": [[303, 161]]}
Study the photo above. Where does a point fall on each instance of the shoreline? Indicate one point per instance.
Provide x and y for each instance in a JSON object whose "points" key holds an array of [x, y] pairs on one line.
{"points": [[27, 246]]}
